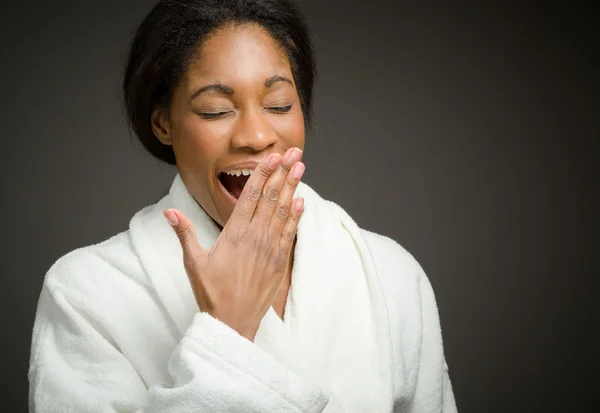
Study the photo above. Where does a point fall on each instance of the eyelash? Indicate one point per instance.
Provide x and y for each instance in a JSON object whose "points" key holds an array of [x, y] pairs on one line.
{"points": [[277, 109], [212, 115], [281, 109]]}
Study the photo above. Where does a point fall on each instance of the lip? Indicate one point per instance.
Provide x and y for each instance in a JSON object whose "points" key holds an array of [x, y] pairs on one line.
{"points": [[240, 165], [236, 166]]}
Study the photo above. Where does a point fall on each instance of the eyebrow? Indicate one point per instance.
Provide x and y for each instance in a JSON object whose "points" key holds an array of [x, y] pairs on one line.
{"points": [[229, 91], [218, 87], [274, 79]]}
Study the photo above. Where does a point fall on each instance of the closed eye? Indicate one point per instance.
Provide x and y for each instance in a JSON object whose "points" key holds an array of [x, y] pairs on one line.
{"points": [[215, 115], [280, 109], [212, 115]]}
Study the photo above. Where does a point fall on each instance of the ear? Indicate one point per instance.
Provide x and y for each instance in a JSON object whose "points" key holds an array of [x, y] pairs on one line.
{"points": [[161, 125]]}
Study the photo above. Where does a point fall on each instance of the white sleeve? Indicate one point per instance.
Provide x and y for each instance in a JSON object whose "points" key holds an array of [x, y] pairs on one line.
{"points": [[434, 389], [75, 368], [448, 402]]}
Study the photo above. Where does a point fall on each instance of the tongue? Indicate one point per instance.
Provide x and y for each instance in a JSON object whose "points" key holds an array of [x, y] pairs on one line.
{"points": [[236, 191], [234, 184]]}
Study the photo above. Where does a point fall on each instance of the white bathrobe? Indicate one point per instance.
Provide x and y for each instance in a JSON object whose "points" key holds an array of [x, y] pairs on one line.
{"points": [[118, 330]]}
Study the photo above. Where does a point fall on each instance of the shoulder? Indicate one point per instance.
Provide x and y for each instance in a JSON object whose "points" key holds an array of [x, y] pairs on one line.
{"points": [[392, 260], [96, 266], [403, 281], [396, 267], [387, 249]]}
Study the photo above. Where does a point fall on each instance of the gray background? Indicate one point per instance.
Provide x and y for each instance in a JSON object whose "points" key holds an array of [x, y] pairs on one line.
{"points": [[469, 135]]}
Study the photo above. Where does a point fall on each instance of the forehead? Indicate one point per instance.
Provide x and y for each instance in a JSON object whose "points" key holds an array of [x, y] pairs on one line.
{"points": [[239, 53]]}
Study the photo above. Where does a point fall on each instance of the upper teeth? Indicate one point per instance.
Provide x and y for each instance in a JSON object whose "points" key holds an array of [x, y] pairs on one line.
{"points": [[238, 172]]}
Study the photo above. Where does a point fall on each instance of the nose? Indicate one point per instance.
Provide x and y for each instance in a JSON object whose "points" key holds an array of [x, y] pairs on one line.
{"points": [[253, 131]]}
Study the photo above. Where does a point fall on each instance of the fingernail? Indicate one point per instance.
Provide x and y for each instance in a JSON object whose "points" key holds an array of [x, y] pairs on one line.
{"points": [[273, 160], [299, 204], [297, 170], [293, 156], [171, 217]]}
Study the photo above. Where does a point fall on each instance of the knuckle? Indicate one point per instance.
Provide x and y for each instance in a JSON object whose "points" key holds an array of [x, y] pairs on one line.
{"points": [[253, 193], [282, 212], [185, 234], [289, 235], [271, 193], [264, 172], [292, 183]]}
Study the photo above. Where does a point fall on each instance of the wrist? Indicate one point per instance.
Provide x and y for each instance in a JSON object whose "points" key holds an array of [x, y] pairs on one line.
{"points": [[248, 332]]}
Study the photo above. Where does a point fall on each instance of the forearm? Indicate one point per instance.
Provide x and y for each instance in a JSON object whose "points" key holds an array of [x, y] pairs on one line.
{"points": [[212, 369]]}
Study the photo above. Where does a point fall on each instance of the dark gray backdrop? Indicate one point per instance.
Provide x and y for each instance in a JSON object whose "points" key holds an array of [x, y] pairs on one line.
{"points": [[469, 135]]}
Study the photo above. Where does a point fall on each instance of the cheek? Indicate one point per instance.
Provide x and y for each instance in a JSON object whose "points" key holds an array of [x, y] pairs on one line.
{"points": [[198, 144], [291, 129]]}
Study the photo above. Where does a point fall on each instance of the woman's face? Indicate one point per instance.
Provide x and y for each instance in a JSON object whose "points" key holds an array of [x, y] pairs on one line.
{"points": [[236, 104]]}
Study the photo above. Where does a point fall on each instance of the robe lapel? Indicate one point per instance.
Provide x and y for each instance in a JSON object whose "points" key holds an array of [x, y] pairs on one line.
{"points": [[311, 338], [160, 252]]}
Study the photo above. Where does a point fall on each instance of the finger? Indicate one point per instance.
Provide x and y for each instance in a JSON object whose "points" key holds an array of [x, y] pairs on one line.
{"points": [[246, 204], [284, 205], [291, 226], [272, 190], [192, 250]]}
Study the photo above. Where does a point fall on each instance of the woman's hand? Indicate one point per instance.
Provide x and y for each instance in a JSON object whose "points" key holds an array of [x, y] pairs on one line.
{"points": [[237, 279]]}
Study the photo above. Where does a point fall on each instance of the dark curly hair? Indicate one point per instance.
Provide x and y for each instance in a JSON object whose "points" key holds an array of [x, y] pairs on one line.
{"points": [[171, 34]]}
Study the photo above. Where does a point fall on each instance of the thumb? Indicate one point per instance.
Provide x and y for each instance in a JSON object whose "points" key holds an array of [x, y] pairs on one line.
{"points": [[192, 250]]}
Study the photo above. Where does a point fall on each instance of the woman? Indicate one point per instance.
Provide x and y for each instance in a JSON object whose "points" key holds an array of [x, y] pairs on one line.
{"points": [[241, 290]]}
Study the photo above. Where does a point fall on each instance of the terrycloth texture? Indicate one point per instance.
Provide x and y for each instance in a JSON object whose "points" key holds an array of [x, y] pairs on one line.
{"points": [[118, 329]]}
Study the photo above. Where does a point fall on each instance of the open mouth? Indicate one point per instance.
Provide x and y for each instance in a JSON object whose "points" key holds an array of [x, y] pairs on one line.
{"points": [[233, 181]]}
